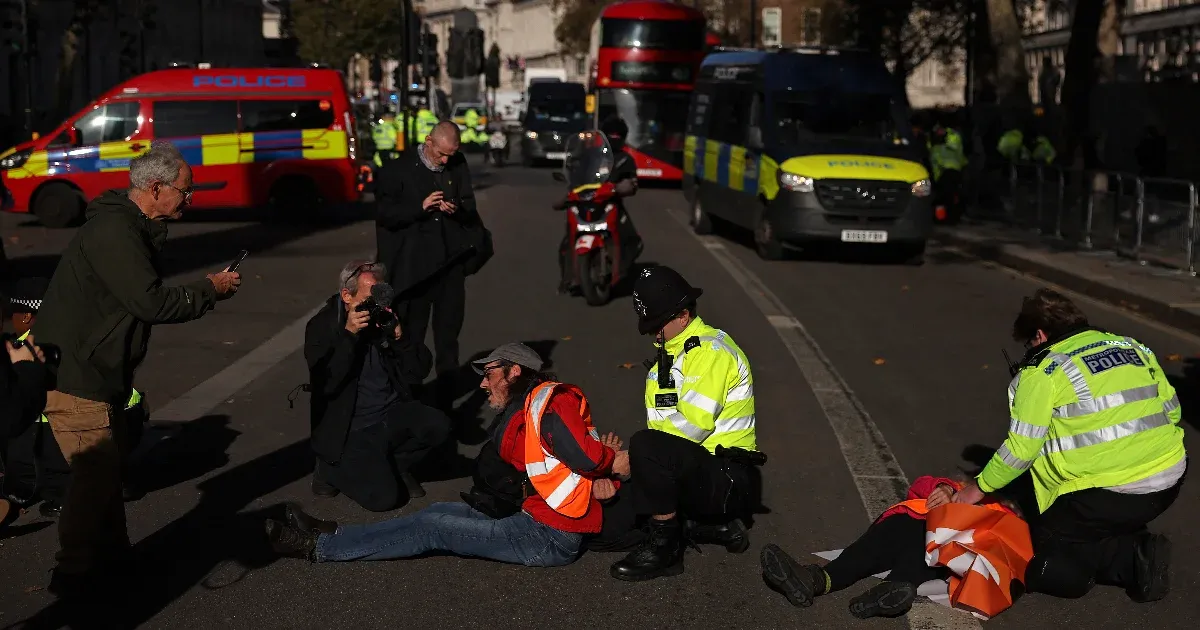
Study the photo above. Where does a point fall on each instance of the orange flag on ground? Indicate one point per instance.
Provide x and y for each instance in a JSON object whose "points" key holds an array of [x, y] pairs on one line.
{"points": [[985, 550]]}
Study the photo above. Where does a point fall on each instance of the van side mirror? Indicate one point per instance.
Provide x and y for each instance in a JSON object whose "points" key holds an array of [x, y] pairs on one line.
{"points": [[559, 177], [73, 134], [754, 138]]}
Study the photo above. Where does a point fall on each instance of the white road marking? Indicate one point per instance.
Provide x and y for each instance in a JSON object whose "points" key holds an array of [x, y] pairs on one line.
{"points": [[203, 398], [880, 480]]}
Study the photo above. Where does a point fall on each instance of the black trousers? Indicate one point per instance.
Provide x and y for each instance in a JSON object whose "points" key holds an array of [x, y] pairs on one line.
{"points": [[376, 455], [673, 474], [1092, 535], [895, 544], [445, 301], [35, 466]]}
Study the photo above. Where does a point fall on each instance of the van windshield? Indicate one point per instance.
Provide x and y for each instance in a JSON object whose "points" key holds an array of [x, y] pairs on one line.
{"points": [[800, 117], [567, 115]]}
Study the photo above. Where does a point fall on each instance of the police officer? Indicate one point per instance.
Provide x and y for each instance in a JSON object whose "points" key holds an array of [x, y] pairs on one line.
{"points": [[1096, 422], [385, 134], [696, 460]]}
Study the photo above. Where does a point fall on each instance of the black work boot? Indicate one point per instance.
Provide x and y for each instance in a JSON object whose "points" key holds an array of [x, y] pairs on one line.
{"points": [[320, 487], [295, 516], [799, 583], [288, 541], [889, 599], [1152, 564], [732, 535], [414, 487], [660, 556]]}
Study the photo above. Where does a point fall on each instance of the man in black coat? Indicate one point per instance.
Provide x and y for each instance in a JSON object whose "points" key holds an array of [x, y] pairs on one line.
{"points": [[367, 431], [426, 222]]}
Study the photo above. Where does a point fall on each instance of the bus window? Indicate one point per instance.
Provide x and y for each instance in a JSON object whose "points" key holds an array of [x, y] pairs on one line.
{"points": [[652, 34], [108, 123], [182, 119], [655, 118], [800, 117], [285, 115]]}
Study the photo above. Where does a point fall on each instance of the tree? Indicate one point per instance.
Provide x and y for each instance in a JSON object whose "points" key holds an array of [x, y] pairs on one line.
{"points": [[574, 29], [331, 32], [492, 68], [906, 33], [83, 12], [1091, 54]]}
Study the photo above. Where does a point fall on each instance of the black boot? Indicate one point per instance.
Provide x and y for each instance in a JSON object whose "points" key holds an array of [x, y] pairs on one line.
{"points": [[732, 535], [800, 584], [50, 508], [320, 487], [889, 599], [295, 516], [288, 541], [1152, 564], [415, 490], [660, 556]]}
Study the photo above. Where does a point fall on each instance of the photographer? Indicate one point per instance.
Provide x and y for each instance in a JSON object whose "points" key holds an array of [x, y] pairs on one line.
{"points": [[367, 430]]}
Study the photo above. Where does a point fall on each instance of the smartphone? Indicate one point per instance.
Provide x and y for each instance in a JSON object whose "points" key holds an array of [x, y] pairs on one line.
{"points": [[238, 261]]}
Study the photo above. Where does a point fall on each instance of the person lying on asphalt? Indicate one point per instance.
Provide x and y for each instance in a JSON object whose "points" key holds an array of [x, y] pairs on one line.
{"points": [[367, 428], [895, 542], [544, 429], [698, 457]]}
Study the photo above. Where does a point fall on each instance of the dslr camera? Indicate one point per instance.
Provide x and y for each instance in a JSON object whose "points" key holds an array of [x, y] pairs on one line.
{"points": [[382, 296]]}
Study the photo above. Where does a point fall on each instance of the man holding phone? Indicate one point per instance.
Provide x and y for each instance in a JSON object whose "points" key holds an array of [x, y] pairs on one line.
{"points": [[103, 300], [426, 223]]}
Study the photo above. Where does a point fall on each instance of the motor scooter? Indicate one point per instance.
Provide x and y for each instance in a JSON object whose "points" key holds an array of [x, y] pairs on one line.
{"points": [[498, 147], [596, 259]]}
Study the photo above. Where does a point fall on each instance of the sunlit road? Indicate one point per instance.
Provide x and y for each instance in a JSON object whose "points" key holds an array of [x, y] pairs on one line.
{"points": [[918, 347]]}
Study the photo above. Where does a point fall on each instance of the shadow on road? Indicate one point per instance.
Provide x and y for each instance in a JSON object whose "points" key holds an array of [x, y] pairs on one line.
{"points": [[211, 251], [16, 531], [1187, 388], [187, 451], [213, 545]]}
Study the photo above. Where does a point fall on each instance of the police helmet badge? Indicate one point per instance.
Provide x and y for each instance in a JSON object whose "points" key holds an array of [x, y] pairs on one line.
{"points": [[638, 305]]}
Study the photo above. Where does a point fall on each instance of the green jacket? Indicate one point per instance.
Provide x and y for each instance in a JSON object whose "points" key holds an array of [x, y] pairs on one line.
{"points": [[106, 294], [711, 400], [1094, 410]]}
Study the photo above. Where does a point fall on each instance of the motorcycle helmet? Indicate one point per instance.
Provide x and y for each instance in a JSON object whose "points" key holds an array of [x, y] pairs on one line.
{"points": [[616, 130]]}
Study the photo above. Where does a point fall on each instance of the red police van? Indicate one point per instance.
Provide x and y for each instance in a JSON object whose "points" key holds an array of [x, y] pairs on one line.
{"points": [[253, 136]]}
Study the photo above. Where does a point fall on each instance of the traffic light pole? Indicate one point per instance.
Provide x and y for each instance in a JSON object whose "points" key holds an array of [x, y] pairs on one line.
{"points": [[405, 66], [28, 58]]}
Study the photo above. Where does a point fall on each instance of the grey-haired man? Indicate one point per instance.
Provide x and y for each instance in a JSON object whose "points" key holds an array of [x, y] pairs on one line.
{"points": [[367, 429], [103, 299]]}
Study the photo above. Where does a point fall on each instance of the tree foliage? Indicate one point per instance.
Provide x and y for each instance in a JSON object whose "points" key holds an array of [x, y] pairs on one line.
{"points": [[576, 17], [331, 32]]}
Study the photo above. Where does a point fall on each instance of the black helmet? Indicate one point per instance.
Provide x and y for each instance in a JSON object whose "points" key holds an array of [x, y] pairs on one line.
{"points": [[614, 126], [659, 293]]}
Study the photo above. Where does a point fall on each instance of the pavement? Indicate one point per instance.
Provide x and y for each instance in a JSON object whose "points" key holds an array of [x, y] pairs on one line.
{"points": [[867, 375]]}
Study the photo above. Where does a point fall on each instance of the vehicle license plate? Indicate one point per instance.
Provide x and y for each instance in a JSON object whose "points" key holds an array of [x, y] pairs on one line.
{"points": [[556, 156], [864, 236], [649, 172]]}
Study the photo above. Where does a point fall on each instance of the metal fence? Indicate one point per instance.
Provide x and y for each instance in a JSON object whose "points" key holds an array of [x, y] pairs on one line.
{"points": [[1147, 219]]}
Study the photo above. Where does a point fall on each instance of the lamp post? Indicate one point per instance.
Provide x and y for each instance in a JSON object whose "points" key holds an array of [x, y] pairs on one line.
{"points": [[753, 24]]}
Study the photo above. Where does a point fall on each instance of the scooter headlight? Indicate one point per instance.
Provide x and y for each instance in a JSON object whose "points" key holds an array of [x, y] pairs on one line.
{"points": [[922, 188]]}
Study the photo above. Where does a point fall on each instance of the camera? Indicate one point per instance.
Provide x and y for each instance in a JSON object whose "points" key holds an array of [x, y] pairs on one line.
{"points": [[50, 351], [382, 296]]}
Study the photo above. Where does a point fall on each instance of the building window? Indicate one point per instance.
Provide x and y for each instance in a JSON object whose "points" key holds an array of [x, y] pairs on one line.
{"points": [[812, 28]]}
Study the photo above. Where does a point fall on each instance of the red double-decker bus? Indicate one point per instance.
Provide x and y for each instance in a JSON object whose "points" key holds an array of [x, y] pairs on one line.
{"points": [[645, 56]]}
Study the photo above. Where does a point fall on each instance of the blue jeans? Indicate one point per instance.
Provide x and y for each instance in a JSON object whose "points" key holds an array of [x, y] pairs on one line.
{"points": [[457, 528]]}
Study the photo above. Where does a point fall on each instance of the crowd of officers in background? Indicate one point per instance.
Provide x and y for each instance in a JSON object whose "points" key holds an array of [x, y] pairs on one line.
{"points": [[388, 133]]}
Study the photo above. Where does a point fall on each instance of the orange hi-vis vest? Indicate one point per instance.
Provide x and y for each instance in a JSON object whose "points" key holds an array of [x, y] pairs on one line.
{"points": [[564, 490], [985, 549]]}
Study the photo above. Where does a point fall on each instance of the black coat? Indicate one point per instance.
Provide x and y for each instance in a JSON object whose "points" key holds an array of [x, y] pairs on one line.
{"points": [[335, 359], [22, 395], [414, 243]]}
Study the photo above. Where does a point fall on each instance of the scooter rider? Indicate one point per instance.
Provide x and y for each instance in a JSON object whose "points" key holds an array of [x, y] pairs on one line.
{"points": [[624, 180], [697, 459]]}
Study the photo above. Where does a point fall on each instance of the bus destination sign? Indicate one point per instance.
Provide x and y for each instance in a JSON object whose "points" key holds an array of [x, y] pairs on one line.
{"points": [[651, 72]]}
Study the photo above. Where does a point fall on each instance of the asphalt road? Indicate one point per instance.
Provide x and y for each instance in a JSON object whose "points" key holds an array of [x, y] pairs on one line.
{"points": [[918, 347]]}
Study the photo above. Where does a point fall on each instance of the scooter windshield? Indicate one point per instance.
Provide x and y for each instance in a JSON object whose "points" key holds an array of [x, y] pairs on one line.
{"points": [[589, 160]]}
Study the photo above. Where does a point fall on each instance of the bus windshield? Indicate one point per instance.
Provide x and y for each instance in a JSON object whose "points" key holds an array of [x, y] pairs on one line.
{"points": [[800, 117], [652, 34], [656, 119]]}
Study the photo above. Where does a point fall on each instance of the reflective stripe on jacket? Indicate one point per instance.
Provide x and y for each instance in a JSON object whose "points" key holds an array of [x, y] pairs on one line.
{"points": [[1097, 411], [564, 490], [711, 400]]}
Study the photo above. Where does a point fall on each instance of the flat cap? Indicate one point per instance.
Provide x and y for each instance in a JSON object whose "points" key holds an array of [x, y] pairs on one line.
{"points": [[517, 353]]}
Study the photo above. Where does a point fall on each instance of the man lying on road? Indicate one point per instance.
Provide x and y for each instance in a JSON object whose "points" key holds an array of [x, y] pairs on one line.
{"points": [[544, 429]]}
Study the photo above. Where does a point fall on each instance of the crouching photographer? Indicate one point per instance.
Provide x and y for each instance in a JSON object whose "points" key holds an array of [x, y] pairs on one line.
{"points": [[367, 429], [23, 383]]}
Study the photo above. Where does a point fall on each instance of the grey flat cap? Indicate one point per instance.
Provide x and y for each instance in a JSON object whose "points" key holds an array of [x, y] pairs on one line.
{"points": [[517, 353]]}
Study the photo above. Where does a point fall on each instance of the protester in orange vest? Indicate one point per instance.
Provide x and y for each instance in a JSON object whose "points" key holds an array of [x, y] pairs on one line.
{"points": [[544, 431], [895, 542]]}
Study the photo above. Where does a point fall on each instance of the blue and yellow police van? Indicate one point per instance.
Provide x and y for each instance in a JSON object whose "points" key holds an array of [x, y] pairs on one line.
{"points": [[806, 146]]}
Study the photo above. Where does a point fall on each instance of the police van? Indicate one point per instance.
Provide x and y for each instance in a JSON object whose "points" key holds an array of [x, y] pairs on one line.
{"points": [[253, 137], [806, 146]]}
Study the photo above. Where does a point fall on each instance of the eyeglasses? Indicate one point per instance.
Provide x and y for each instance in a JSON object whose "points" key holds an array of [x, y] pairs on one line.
{"points": [[187, 194], [488, 369]]}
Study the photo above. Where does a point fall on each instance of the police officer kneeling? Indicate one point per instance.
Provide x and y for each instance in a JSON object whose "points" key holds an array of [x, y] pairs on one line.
{"points": [[1095, 421], [697, 458]]}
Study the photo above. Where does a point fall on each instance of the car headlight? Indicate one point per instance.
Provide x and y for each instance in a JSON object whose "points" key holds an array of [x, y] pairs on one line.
{"points": [[796, 183], [922, 188], [532, 135], [15, 160]]}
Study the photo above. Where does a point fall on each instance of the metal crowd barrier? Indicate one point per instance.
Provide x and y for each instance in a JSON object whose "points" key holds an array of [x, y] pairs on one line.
{"points": [[1151, 220]]}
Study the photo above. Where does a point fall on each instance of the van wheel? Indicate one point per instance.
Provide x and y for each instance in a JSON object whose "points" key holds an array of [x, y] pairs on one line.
{"points": [[58, 206], [700, 221], [297, 197], [765, 243]]}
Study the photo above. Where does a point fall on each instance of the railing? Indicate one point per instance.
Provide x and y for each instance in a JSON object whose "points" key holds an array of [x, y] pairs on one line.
{"points": [[1151, 220]]}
